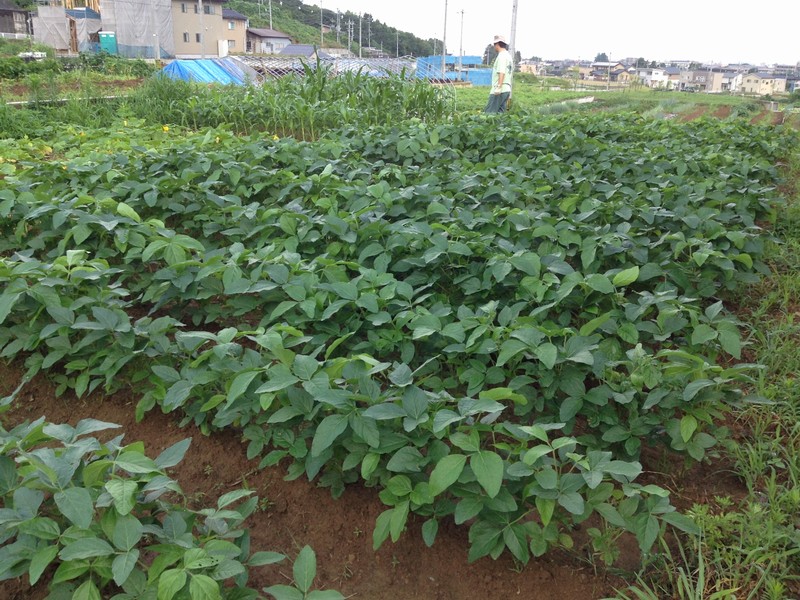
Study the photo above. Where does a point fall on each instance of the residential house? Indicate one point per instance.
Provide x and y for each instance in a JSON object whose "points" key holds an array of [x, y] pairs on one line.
{"points": [[236, 26], [613, 71], [660, 78], [762, 84], [701, 81], [199, 33], [13, 19], [266, 41]]}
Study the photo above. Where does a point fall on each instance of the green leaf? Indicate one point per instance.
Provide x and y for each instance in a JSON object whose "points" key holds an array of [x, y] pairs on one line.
{"points": [[330, 428], [170, 583], [502, 393], [85, 548], [127, 532], [86, 591], [429, 530], [682, 522], [305, 367], [703, 333], [202, 587], [401, 376], [305, 569], [173, 455], [260, 559], [177, 394], [406, 460], [546, 507], [488, 469], [240, 385], [547, 353], [123, 491], [573, 502], [41, 527], [126, 211], [123, 566], [76, 504], [381, 531], [446, 472], [284, 592], [600, 283], [347, 290], [398, 520], [40, 561], [399, 485], [688, 427], [626, 277]]}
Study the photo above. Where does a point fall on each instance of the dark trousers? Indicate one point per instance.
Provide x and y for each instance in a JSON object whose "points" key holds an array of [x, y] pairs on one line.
{"points": [[497, 103]]}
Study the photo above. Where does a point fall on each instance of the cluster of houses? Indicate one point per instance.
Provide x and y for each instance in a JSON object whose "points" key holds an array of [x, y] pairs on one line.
{"points": [[142, 28], [678, 75]]}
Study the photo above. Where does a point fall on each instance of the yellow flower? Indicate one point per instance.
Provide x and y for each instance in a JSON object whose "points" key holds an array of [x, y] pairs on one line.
{"points": [[165, 128], [275, 137], [216, 139], [125, 123], [81, 134]]}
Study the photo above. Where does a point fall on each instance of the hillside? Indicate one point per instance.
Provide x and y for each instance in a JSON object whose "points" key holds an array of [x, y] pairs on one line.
{"points": [[301, 21]]}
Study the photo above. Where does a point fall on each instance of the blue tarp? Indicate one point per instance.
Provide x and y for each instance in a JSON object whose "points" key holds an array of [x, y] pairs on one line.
{"points": [[207, 70]]}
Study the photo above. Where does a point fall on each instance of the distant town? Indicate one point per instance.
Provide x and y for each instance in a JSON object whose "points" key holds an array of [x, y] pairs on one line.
{"points": [[684, 75]]}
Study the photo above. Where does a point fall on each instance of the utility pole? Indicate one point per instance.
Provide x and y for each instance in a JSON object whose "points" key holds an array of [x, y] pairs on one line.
{"points": [[321, 36], [350, 35], [359, 35], [338, 26], [397, 42], [270, 14], [369, 32], [461, 49], [444, 43], [513, 43]]}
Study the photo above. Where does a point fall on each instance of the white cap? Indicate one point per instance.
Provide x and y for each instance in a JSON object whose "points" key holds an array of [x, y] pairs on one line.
{"points": [[498, 39]]}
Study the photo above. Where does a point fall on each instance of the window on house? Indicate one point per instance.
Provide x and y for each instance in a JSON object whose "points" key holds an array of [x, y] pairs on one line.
{"points": [[208, 9], [231, 25], [231, 44], [186, 36], [197, 37], [183, 7]]}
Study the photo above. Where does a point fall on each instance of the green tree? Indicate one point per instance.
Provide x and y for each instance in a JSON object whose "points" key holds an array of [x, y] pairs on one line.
{"points": [[641, 63], [601, 57], [489, 54]]}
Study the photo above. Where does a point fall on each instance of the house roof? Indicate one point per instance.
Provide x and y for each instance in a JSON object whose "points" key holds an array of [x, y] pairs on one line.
{"points": [[229, 13], [83, 13], [268, 33], [303, 50]]}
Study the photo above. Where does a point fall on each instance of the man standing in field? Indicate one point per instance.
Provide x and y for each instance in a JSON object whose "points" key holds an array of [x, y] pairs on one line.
{"points": [[502, 75]]}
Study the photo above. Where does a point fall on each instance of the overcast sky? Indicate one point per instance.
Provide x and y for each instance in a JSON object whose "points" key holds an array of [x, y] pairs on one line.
{"points": [[702, 30]]}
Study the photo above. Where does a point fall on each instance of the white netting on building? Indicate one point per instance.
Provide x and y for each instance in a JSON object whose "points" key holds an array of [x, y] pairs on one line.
{"points": [[51, 28], [138, 25]]}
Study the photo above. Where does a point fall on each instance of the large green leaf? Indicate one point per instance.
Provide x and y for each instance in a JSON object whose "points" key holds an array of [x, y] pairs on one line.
{"points": [[488, 469]]}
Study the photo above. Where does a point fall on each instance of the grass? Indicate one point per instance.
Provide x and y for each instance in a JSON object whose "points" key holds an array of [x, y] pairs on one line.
{"points": [[528, 97], [751, 548]]}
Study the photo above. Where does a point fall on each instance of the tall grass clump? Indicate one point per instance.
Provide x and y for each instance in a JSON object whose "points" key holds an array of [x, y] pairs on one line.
{"points": [[300, 105]]}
